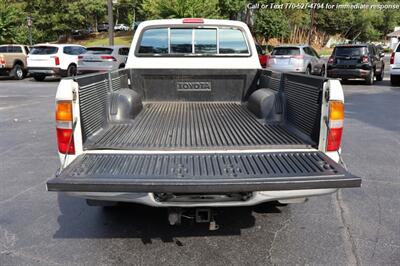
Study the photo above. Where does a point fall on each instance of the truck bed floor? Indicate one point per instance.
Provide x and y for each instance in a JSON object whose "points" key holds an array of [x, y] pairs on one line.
{"points": [[180, 125]]}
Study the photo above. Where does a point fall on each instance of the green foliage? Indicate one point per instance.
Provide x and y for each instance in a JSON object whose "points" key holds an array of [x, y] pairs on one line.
{"points": [[271, 24], [156, 9], [11, 23], [52, 18]]}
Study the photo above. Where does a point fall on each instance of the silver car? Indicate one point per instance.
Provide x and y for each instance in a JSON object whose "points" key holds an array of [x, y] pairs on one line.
{"points": [[102, 59], [296, 58]]}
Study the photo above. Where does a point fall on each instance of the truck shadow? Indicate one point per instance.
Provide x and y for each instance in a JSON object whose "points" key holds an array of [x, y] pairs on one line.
{"points": [[77, 220]]}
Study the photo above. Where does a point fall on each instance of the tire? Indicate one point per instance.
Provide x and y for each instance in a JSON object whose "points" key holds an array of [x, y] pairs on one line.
{"points": [[39, 77], [308, 70], [323, 72], [394, 80], [17, 72], [382, 74], [72, 71], [370, 79]]}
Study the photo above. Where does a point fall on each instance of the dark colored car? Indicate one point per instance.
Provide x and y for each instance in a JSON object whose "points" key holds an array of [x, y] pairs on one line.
{"points": [[262, 55], [102, 27], [356, 61]]}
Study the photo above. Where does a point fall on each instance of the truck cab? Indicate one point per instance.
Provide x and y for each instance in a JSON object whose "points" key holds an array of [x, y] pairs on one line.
{"points": [[194, 121]]}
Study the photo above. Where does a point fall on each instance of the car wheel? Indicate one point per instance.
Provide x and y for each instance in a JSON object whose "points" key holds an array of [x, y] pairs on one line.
{"points": [[394, 80], [370, 79], [308, 70], [323, 73], [71, 71], [17, 72], [381, 75], [39, 77]]}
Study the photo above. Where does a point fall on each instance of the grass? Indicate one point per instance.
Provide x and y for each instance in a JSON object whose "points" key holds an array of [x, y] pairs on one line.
{"points": [[102, 39]]}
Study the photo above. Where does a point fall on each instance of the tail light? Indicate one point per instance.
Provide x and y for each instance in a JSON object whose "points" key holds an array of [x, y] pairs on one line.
{"points": [[80, 57], [108, 57], [336, 119], [2, 60], [365, 59], [330, 60], [56, 60], [392, 58], [64, 118]]}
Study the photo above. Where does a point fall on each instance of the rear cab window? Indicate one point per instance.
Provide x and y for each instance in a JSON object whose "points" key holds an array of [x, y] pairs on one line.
{"points": [[44, 50], [10, 49], [286, 51], [186, 41]]}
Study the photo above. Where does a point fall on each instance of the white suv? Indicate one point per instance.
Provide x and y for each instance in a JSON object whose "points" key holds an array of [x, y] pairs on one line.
{"points": [[54, 60], [395, 66]]}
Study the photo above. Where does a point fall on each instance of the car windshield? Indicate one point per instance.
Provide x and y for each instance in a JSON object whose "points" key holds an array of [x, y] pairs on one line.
{"points": [[99, 50], [286, 51], [44, 50], [350, 51]]}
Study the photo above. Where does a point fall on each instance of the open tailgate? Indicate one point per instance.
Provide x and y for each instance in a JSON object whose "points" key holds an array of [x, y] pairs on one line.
{"points": [[202, 173]]}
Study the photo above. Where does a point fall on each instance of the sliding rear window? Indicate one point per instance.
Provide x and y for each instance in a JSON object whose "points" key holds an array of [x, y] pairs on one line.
{"points": [[192, 41], [286, 51], [42, 50]]}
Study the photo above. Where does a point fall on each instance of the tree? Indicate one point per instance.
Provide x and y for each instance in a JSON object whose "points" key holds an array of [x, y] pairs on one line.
{"points": [[271, 24], [156, 9], [12, 23]]}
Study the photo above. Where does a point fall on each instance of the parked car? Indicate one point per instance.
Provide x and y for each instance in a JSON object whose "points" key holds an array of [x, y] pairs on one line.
{"points": [[13, 60], [135, 25], [262, 55], [102, 59], [296, 58], [121, 27], [81, 33], [395, 66], [356, 61], [182, 127], [54, 60], [102, 27]]}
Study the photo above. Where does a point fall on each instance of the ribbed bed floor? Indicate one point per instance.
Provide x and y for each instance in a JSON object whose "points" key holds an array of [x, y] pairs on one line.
{"points": [[193, 125]]}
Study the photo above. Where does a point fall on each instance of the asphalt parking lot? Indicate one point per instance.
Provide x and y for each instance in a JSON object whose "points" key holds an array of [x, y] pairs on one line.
{"points": [[355, 226]]}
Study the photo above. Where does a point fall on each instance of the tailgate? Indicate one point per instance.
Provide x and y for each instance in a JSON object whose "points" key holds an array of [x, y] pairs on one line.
{"points": [[202, 173]]}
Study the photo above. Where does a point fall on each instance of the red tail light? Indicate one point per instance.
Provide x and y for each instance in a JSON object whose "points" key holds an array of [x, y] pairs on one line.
{"points": [[108, 57], [392, 58], [336, 119], [65, 141], [56, 60], [193, 20], [330, 60], [2, 61], [365, 59], [64, 118], [80, 57]]}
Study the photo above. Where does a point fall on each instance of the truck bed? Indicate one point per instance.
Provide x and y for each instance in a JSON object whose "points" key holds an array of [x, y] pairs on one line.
{"points": [[199, 125]]}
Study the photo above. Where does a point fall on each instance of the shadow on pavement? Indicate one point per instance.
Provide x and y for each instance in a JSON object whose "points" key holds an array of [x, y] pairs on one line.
{"points": [[77, 220]]}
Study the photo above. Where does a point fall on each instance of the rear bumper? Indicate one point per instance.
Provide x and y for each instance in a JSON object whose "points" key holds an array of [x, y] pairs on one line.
{"points": [[394, 70], [288, 68], [48, 71], [150, 200], [87, 70], [347, 73]]}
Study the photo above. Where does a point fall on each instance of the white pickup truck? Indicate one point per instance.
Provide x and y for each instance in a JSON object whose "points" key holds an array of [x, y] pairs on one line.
{"points": [[194, 121]]}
